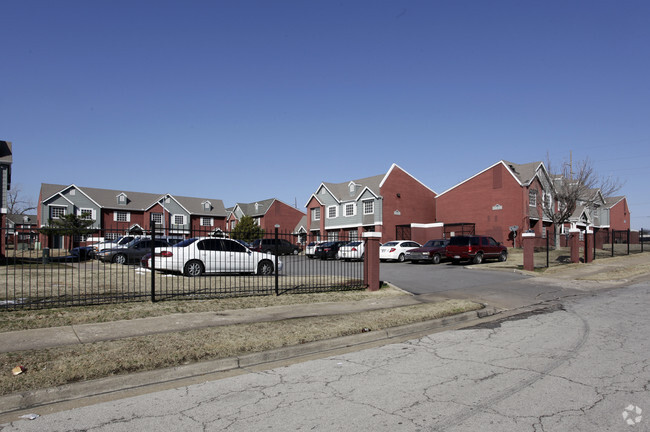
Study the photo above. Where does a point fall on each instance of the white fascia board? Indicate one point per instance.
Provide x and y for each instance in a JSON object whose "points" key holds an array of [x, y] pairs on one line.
{"points": [[62, 196], [428, 225], [316, 198], [481, 172], [407, 173], [366, 188], [60, 193], [536, 175], [84, 193], [355, 225], [315, 195], [162, 197]]}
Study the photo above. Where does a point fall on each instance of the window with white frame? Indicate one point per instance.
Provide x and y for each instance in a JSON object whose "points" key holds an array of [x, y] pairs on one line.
{"points": [[179, 219], [333, 236], [57, 212], [353, 235], [86, 213], [315, 213], [332, 212], [532, 197], [233, 224], [350, 209], [206, 221], [111, 236], [368, 207], [157, 218], [121, 216], [547, 200]]}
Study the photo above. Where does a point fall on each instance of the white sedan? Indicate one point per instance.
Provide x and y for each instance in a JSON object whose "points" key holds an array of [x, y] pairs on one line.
{"points": [[196, 256], [396, 250], [352, 251]]}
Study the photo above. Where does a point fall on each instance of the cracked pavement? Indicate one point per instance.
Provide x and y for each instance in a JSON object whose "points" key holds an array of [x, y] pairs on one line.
{"points": [[573, 367]]}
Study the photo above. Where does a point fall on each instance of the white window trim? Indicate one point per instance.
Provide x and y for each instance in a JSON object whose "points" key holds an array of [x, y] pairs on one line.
{"points": [[65, 210], [128, 216], [315, 212], [209, 220], [345, 209], [183, 219], [336, 211], [93, 212], [155, 216], [364, 207], [532, 202]]}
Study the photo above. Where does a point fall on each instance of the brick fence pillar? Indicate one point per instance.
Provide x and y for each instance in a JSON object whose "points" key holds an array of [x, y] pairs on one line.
{"points": [[371, 260], [528, 240], [589, 245], [574, 245]]}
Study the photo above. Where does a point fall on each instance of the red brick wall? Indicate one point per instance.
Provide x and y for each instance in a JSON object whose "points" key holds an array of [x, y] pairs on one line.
{"points": [[473, 202], [416, 203], [281, 214], [619, 216], [424, 234]]}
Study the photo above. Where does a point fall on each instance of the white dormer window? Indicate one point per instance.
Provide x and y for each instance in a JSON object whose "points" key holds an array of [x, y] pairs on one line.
{"points": [[207, 205], [121, 199]]}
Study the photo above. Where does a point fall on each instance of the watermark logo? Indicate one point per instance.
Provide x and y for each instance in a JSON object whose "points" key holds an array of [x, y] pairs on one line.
{"points": [[632, 415]]}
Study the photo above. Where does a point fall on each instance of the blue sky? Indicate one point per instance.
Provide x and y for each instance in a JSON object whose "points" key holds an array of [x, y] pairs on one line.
{"points": [[248, 100]]}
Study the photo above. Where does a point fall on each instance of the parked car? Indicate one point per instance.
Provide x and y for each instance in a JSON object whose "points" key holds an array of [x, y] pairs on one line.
{"points": [[432, 251], [82, 253], [117, 243], [310, 249], [353, 250], [132, 252], [328, 250], [283, 246], [396, 250], [475, 248], [196, 256]]}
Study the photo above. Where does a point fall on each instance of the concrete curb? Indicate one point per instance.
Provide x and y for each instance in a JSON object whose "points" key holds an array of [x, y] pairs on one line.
{"points": [[111, 385]]}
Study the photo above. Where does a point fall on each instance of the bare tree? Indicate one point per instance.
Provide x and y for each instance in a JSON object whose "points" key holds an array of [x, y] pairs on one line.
{"points": [[16, 204], [576, 184]]}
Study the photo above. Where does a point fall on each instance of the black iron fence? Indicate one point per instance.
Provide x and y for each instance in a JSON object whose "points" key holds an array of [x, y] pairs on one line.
{"points": [[112, 266]]}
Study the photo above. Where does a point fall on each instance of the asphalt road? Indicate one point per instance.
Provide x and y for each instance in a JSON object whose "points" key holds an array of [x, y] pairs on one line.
{"points": [[582, 366]]}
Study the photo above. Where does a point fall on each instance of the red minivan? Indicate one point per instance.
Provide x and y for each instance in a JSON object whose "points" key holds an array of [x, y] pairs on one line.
{"points": [[475, 248]]}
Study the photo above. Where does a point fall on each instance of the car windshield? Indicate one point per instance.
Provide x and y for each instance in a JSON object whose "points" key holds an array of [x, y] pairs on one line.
{"points": [[125, 240], [434, 243], [185, 242]]}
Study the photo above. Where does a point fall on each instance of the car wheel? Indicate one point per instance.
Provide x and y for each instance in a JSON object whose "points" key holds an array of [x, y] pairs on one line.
{"points": [[478, 258], [400, 258], [295, 251], [265, 268], [436, 259], [503, 257], [193, 268], [119, 259]]}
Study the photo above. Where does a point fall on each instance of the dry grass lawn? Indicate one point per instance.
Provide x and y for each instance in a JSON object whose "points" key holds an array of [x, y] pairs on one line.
{"points": [[58, 366]]}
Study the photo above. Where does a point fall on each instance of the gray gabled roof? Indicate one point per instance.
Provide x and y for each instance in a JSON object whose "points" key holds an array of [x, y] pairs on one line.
{"points": [[137, 201], [19, 219], [341, 191], [525, 173], [612, 201], [257, 208]]}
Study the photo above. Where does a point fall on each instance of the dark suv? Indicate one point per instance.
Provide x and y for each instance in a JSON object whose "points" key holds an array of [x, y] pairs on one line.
{"points": [[269, 246], [475, 248]]}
